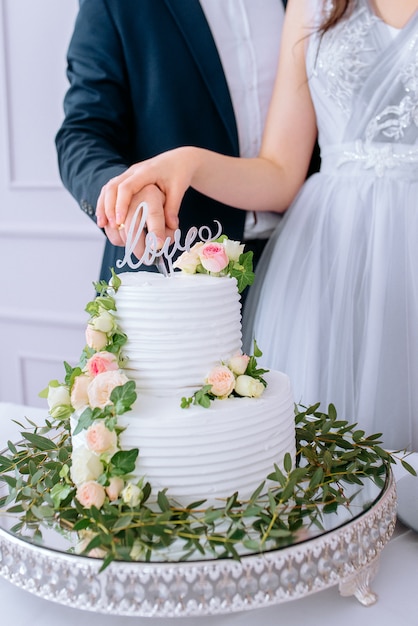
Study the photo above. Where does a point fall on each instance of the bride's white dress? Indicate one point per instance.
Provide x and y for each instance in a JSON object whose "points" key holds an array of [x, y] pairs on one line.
{"points": [[335, 302]]}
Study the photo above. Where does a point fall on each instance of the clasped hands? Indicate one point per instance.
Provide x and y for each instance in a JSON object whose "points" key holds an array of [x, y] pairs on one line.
{"points": [[161, 182]]}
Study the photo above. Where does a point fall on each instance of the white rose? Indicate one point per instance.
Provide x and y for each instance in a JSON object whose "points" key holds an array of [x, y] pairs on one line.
{"points": [[131, 495], [85, 466], [104, 322], [188, 261], [233, 249], [248, 386], [238, 363], [58, 396]]}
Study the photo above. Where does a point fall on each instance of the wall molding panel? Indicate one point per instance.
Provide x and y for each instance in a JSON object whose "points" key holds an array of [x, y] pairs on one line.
{"points": [[50, 251]]}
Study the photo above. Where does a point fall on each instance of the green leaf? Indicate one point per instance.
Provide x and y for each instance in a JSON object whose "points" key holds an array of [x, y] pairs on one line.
{"points": [[287, 462], [163, 502], [39, 442], [123, 397], [124, 461], [316, 479], [211, 515], [85, 420], [42, 512], [6, 464], [202, 397], [408, 467], [59, 493], [243, 271]]}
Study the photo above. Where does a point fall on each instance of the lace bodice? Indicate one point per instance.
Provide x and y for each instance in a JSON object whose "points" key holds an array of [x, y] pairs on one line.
{"points": [[364, 85]]}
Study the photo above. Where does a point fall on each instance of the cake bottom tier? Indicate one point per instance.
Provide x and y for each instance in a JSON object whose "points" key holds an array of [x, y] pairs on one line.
{"points": [[199, 453]]}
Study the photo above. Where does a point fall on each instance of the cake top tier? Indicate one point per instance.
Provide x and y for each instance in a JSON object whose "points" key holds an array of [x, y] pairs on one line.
{"points": [[178, 328]]}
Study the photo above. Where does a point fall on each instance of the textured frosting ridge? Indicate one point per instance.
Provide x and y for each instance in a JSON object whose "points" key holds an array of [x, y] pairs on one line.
{"points": [[212, 453]]}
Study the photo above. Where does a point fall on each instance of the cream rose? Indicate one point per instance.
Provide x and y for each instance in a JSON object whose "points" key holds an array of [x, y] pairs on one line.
{"points": [[233, 249], [248, 386], [91, 494], [101, 362], [102, 386], [95, 338], [58, 396], [79, 397], [85, 466], [100, 439], [213, 257], [114, 488], [188, 261], [222, 381], [105, 321], [238, 364], [131, 495]]}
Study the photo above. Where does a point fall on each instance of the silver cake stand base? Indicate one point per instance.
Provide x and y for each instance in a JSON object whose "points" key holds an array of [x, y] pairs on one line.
{"points": [[346, 556]]}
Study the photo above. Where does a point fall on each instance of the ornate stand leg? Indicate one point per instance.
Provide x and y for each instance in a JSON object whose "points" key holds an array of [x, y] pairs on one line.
{"points": [[358, 585]]}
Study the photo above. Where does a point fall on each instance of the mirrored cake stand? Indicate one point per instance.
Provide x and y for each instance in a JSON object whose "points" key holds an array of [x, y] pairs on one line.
{"points": [[344, 554]]}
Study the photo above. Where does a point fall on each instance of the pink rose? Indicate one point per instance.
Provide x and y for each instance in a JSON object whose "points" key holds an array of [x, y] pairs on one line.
{"points": [[238, 364], [114, 488], [213, 257], [188, 261], [95, 339], [222, 380], [79, 397], [101, 362], [100, 439], [91, 494], [102, 386]]}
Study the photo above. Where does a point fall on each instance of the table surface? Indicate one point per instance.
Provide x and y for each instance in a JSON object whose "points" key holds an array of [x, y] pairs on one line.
{"points": [[395, 583]]}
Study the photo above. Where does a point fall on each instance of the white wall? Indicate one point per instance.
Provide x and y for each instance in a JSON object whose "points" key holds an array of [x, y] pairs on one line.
{"points": [[50, 252]]}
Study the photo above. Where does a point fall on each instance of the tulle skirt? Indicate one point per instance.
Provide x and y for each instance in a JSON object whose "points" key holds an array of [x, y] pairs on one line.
{"points": [[335, 302]]}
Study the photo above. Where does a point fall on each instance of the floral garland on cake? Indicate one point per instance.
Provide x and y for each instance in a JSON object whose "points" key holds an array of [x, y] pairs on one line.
{"points": [[220, 257], [98, 392]]}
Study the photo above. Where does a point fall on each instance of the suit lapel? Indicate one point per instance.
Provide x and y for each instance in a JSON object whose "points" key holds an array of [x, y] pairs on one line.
{"points": [[192, 23]]}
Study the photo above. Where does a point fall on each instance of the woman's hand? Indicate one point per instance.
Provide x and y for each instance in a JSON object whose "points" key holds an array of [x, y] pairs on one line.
{"points": [[153, 196], [169, 173]]}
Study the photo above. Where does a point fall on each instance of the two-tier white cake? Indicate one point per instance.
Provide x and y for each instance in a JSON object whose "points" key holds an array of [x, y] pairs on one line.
{"points": [[178, 328]]}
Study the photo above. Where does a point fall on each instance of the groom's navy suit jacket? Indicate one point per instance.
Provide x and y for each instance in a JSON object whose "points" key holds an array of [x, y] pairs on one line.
{"points": [[145, 76]]}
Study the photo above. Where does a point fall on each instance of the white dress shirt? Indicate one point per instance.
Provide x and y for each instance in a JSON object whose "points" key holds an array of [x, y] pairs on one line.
{"points": [[247, 34]]}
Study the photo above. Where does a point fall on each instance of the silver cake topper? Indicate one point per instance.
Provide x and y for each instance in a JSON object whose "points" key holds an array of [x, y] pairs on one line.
{"points": [[163, 257]]}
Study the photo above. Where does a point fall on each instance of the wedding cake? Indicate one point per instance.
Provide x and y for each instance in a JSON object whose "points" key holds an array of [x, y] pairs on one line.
{"points": [[205, 422], [178, 330]]}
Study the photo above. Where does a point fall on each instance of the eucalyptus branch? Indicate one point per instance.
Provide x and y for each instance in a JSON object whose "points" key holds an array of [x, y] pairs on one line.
{"points": [[332, 456]]}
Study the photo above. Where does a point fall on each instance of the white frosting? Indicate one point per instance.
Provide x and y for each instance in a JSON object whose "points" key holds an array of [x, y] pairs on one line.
{"points": [[178, 328], [211, 453]]}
